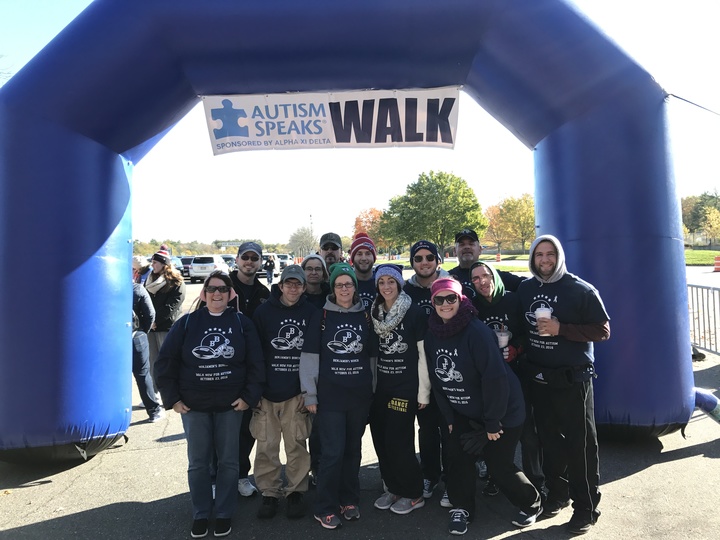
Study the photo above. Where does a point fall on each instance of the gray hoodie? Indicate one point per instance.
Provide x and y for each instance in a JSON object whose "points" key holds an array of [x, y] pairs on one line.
{"points": [[560, 269]]}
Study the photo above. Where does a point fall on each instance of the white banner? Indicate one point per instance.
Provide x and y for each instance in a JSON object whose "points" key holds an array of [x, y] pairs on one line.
{"points": [[358, 119]]}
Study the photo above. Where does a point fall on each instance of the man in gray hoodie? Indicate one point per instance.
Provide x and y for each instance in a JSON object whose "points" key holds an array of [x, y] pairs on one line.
{"points": [[561, 368]]}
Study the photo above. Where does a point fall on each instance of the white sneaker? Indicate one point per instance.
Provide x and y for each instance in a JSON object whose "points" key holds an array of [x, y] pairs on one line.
{"points": [[245, 487], [445, 501]]}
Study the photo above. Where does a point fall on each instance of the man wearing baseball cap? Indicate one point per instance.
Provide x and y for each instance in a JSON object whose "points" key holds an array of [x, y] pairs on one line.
{"points": [[251, 293], [331, 248], [468, 250], [281, 323], [363, 256]]}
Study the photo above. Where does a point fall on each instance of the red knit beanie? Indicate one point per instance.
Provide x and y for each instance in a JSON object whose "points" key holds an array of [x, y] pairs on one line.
{"points": [[362, 241]]}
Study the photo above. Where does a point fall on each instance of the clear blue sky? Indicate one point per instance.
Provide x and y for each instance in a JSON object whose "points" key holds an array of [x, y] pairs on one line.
{"points": [[676, 41]]}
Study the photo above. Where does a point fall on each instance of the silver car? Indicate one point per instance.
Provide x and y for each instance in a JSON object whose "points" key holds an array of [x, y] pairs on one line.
{"points": [[204, 265]]}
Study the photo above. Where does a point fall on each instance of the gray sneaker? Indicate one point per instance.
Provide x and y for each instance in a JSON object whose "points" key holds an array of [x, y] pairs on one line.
{"points": [[245, 487], [350, 512], [329, 521], [428, 488], [385, 501], [445, 501], [405, 505]]}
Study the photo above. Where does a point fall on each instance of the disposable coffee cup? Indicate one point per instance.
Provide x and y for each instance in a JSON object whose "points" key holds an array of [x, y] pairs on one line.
{"points": [[503, 337], [543, 313]]}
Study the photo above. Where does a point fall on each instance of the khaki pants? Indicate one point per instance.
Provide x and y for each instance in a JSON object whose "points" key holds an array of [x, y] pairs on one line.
{"points": [[269, 422]]}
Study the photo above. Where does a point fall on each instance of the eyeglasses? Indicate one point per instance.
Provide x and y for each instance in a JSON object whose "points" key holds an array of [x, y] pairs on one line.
{"points": [[450, 299], [330, 247], [344, 285], [221, 288], [253, 258], [428, 258], [292, 284], [313, 269]]}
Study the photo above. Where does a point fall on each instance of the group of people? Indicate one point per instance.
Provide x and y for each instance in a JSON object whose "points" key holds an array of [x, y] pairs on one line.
{"points": [[338, 344]]}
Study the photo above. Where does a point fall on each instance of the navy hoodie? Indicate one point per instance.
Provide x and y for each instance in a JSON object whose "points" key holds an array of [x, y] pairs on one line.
{"points": [[282, 331]]}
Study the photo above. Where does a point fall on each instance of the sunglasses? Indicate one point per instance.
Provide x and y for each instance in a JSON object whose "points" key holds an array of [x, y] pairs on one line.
{"points": [[329, 247], [221, 288], [450, 299], [428, 258], [253, 258]]}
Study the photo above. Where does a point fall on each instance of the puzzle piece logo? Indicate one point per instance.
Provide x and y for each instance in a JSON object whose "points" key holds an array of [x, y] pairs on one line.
{"points": [[229, 117]]}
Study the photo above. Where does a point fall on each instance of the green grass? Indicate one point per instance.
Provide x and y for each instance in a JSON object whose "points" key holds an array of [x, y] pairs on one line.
{"points": [[700, 257]]}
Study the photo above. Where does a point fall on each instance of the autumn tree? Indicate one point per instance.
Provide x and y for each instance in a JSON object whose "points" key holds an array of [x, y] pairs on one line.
{"points": [[368, 221], [496, 232], [711, 223], [433, 208], [518, 218], [302, 242]]}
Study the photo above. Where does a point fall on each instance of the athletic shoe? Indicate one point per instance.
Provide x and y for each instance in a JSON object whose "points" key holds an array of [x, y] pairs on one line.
{"points": [[350, 512], [245, 487], [490, 489], [156, 416], [428, 488], [295, 505], [554, 507], [445, 501], [385, 501], [481, 469], [405, 505], [525, 520], [199, 528], [268, 508], [330, 521], [459, 520], [223, 526], [580, 524]]}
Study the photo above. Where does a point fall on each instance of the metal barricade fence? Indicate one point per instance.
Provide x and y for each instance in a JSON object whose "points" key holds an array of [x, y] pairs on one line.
{"points": [[704, 305]]}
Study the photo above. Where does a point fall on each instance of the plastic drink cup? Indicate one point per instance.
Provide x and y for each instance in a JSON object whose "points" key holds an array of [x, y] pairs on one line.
{"points": [[503, 337], [543, 313]]}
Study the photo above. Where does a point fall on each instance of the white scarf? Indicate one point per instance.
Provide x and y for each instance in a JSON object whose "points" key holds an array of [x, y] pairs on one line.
{"points": [[393, 317], [154, 284]]}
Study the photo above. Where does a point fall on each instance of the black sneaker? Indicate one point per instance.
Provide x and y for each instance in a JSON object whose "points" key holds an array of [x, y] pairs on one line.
{"points": [[552, 508], [199, 528], [580, 523], [490, 489], [223, 526], [268, 508], [459, 520], [295, 506]]}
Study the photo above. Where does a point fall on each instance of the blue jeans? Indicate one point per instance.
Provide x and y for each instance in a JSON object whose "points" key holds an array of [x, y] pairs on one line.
{"points": [[209, 434], [338, 482], [141, 372]]}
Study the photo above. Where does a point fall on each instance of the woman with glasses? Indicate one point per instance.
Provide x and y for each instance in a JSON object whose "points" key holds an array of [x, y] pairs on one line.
{"points": [[482, 403], [403, 387], [210, 370], [336, 374]]}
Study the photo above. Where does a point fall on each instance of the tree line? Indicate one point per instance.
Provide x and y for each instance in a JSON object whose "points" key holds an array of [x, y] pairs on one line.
{"points": [[701, 216]]}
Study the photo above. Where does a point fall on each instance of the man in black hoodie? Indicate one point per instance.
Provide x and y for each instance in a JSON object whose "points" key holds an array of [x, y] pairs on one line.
{"points": [[561, 368], [281, 323]]}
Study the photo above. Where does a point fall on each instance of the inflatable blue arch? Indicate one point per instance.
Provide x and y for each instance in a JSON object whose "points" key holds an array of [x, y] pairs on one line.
{"points": [[77, 117]]}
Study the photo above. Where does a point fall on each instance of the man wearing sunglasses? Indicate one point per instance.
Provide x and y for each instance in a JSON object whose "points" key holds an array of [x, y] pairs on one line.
{"points": [[250, 294], [432, 432], [331, 248], [468, 250]]}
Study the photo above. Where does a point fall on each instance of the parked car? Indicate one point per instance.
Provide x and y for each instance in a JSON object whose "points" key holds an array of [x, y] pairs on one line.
{"points": [[178, 264], [284, 259], [203, 265], [230, 261], [186, 262]]}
